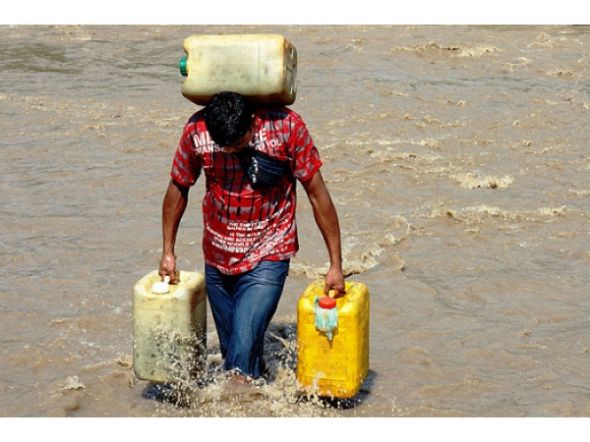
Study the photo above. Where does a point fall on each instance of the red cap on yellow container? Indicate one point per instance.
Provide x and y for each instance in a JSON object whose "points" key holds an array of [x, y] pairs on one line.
{"points": [[327, 302]]}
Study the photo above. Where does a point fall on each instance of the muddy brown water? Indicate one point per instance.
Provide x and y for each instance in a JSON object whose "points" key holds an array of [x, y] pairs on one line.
{"points": [[457, 157]]}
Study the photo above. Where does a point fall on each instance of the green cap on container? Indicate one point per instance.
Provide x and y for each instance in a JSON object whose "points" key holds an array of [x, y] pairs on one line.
{"points": [[182, 66]]}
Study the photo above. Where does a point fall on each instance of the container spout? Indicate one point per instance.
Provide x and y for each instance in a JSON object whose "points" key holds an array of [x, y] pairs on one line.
{"points": [[162, 287], [326, 316], [182, 66]]}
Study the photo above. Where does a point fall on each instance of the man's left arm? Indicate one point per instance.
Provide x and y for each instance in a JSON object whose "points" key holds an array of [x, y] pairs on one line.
{"points": [[327, 221]]}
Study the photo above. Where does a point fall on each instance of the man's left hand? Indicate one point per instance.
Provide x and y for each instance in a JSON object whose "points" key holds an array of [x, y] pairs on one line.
{"points": [[334, 282]]}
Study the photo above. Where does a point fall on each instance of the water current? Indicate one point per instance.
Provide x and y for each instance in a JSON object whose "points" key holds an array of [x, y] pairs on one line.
{"points": [[457, 159]]}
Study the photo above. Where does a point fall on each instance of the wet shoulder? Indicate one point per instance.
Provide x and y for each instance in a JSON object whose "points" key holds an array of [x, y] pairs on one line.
{"points": [[197, 117], [196, 124], [277, 113]]}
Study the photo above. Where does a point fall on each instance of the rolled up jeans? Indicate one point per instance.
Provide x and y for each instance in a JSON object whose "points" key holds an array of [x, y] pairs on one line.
{"points": [[242, 306]]}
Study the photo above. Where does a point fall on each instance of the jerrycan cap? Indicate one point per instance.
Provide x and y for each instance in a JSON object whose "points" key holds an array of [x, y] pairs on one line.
{"points": [[327, 302], [162, 287], [182, 66]]}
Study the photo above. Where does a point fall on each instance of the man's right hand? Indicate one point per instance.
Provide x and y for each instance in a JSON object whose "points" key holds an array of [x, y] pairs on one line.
{"points": [[173, 207], [168, 268]]}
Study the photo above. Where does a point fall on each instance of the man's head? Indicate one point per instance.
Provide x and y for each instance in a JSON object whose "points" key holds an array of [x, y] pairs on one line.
{"points": [[229, 119]]}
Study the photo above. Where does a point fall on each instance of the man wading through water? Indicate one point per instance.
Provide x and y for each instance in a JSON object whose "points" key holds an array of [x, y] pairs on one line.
{"points": [[251, 157]]}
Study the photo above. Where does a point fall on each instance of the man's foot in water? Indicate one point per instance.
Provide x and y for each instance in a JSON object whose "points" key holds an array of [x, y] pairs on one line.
{"points": [[235, 377]]}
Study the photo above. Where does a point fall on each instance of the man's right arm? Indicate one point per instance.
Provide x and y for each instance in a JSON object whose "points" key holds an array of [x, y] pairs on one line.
{"points": [[173, 207]]}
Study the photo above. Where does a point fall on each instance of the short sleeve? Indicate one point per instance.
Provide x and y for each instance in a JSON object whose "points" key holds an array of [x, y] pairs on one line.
{"points": [[186, 166], [306, 158]]}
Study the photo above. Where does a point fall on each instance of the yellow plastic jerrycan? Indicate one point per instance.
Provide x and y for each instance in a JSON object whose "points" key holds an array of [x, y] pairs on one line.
{"points": [[262, 67], [169, 327], [333, 340]]}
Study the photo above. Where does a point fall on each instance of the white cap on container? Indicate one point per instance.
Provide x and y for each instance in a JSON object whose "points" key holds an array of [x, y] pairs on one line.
{"points": [[162, 287]]}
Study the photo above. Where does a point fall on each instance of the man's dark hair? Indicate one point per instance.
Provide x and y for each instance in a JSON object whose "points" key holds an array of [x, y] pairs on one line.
{"points": [[228, 117]]}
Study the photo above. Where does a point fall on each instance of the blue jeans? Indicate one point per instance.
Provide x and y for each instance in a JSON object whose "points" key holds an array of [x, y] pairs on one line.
{"points": [[242, 306]]}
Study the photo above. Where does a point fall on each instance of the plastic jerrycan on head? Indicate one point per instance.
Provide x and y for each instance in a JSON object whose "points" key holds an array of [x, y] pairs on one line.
{"points": [[262, 67], [333, 340], [169, 327]]}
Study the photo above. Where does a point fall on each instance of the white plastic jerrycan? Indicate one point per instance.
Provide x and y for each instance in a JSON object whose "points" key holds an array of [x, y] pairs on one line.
{"points": [[169, 327], [262, 67]]}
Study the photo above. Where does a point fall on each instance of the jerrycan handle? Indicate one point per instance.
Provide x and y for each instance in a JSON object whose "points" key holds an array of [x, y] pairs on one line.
{"points": [[332, 294]]}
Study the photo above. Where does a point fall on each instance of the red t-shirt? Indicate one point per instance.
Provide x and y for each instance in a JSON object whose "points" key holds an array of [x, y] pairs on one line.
{"points": [[242, 225]]}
